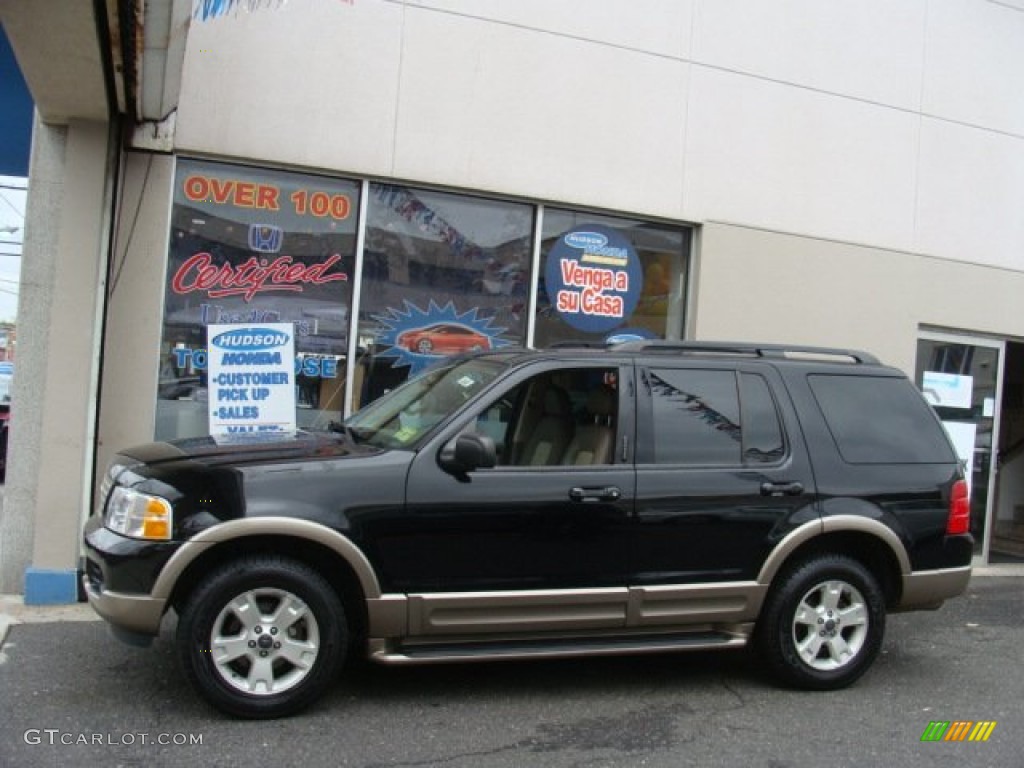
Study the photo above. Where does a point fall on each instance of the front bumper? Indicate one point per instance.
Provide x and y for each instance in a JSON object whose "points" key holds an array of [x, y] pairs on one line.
{"points": [[129, 615], [119, 575]]}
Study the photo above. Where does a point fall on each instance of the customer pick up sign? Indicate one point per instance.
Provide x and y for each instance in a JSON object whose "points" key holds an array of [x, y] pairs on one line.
{"points": [[251, 379]]}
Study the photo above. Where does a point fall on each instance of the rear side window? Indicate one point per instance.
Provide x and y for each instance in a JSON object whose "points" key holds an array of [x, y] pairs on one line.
{"points": [[696, 417], [762, 432], [880, 420], [700, 418]]}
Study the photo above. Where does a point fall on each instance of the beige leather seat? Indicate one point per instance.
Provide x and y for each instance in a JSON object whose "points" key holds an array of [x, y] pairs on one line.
{"points": [[594, 441], [552, 432]]}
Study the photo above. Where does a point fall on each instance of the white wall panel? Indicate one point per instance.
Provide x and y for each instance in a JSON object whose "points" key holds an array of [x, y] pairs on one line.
{"points": [[870, 49], [850, 295], [313, 84], [798, 115], [971, 200], [657, 26], [975, 64], [786, 158], [493, 107]]}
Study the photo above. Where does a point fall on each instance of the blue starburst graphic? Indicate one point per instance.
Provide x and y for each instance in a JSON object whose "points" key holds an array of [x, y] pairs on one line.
{"points": [[417, 338]]}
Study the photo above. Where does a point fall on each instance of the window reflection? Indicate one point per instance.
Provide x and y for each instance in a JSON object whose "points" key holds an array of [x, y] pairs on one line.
{"points": [[696, 417]]}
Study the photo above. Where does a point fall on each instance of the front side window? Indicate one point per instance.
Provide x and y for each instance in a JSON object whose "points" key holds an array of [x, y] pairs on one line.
{"points": [[560, 418]]}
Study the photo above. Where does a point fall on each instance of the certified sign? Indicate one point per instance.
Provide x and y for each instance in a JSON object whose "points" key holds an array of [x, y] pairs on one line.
{"points": [[251, 379], [594, 278]]}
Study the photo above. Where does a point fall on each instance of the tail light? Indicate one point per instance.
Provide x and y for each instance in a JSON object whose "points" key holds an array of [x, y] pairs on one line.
{"points": [[959, 520]]}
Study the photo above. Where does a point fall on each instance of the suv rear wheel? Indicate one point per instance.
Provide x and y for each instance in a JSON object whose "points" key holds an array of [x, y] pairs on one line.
{"points": [[823, 623], [262, 636]]}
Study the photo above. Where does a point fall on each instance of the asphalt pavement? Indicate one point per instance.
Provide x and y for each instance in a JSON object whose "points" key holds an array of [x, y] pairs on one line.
{"points": [[70, 694]]}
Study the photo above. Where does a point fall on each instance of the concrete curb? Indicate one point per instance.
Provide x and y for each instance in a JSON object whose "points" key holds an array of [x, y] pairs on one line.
{"points": [[1006, 569]]}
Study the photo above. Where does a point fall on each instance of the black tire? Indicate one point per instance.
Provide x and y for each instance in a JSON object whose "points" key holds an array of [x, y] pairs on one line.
{"points": [[425, 347], [801, 635], [310, 627]]}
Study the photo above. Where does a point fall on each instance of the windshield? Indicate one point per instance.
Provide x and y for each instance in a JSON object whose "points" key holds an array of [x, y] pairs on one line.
{"points": [[401, 417]]}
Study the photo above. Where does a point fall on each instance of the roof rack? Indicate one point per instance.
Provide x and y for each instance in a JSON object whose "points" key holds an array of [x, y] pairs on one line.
{"points": [[579, 344], [791, 351]]}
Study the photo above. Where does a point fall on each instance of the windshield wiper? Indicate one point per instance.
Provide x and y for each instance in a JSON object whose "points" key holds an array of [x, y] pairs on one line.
{"points": [[344, 429]]}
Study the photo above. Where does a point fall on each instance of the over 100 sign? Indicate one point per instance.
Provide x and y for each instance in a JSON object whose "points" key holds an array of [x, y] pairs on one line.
{"points": [[251, 379]]}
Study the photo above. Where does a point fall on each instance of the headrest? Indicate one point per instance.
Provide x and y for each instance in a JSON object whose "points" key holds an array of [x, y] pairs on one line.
{"points": [[556, 401], [601, 402]]}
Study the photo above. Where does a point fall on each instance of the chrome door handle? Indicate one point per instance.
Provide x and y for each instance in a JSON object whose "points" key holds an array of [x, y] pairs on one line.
{"points": [[602, 493], [781, 489]]}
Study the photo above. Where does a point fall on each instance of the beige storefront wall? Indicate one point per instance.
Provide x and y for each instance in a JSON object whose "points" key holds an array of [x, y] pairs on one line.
{"points": [[755, 284]]}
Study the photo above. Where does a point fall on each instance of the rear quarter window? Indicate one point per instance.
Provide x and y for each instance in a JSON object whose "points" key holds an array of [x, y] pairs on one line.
{"points": [[880, 420]]}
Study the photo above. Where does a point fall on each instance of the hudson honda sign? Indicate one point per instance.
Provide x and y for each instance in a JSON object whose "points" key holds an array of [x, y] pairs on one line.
{"points": [[251, 379]]}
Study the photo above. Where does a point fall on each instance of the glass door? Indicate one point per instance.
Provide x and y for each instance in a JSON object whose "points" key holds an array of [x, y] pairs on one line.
{"points": [[961, 377]]}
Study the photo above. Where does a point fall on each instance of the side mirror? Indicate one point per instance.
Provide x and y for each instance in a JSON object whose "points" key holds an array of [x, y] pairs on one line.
{"points": [[467, 452]]}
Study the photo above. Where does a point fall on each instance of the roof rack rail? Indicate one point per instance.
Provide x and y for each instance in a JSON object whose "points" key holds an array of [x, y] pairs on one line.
{"points": [[746, 348], [579, 344]]}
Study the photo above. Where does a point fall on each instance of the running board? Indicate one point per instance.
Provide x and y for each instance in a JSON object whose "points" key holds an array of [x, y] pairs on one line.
{"points": [[439, 653]]}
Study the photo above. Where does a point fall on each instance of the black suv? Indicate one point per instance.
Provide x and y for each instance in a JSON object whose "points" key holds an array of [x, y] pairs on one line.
{"points": [[648, 497]]}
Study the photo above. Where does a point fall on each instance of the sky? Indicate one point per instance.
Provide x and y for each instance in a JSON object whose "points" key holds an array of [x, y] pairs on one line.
{"points": [[12, 229]]}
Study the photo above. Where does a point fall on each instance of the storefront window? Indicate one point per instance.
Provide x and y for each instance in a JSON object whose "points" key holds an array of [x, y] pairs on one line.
{"points": [[442, 274], [250, 245], [607, 277]]}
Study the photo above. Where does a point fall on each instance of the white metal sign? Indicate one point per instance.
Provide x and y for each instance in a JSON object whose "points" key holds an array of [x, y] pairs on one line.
{"points": [[251, 379]]}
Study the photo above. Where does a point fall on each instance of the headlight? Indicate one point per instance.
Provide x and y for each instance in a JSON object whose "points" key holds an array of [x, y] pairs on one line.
{"points": [[107, 484], [139, 515]]}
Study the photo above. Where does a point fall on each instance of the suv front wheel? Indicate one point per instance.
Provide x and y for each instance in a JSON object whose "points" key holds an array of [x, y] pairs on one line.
{"points": [[823, 623], [262, 636]]}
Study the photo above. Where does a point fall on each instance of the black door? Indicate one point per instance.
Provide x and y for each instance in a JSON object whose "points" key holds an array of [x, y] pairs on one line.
{"points": [[553, 514], [722, 474]]}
